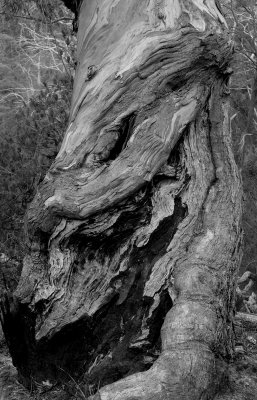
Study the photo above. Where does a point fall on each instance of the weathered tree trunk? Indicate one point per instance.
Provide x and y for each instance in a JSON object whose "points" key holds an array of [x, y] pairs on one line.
{"points": [[135, 232]]}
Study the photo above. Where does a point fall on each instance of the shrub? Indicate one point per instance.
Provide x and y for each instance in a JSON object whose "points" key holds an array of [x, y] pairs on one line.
{"points": [[29, 142]]}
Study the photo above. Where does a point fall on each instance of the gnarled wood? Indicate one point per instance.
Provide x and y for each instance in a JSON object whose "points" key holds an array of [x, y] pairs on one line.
{"points": [[248, 321], [138, 220]]}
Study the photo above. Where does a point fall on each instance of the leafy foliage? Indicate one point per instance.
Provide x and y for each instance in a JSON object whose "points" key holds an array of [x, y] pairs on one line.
{"points": [[36, 77], [33, 46], [241, 16]]}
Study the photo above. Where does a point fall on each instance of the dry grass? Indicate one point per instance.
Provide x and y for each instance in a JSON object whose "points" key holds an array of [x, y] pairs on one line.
{"points": [[10, 388], [242, 378], [241, 383]]}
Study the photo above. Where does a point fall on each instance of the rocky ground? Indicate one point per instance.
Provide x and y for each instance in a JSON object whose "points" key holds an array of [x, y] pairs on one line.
{"points": [[241, 381], [240, 376]]}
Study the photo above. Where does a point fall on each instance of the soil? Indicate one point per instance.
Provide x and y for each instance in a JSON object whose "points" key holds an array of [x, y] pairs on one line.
{"points": [[240, 378]]}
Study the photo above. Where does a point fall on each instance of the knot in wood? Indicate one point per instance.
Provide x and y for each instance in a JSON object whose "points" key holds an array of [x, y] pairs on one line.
{"points": [[161, 16], [91, 72]]}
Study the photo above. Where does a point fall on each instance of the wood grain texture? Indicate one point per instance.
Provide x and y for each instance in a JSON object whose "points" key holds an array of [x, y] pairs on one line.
{"points": [[135, 232]]}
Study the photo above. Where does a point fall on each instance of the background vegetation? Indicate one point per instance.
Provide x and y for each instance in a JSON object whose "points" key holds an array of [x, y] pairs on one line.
{"points": [[242, 19], [37, 53]]}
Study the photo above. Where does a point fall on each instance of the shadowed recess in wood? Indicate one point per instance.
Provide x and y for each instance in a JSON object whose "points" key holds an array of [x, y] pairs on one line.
{"points": [[125, 132]]}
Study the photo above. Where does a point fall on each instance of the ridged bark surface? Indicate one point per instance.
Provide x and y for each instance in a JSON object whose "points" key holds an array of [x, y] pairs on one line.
{"points": [[134, 235]]}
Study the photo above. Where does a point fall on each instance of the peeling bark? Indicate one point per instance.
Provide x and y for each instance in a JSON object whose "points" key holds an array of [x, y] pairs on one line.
{"points": [[134, 235], [248, 321]]}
